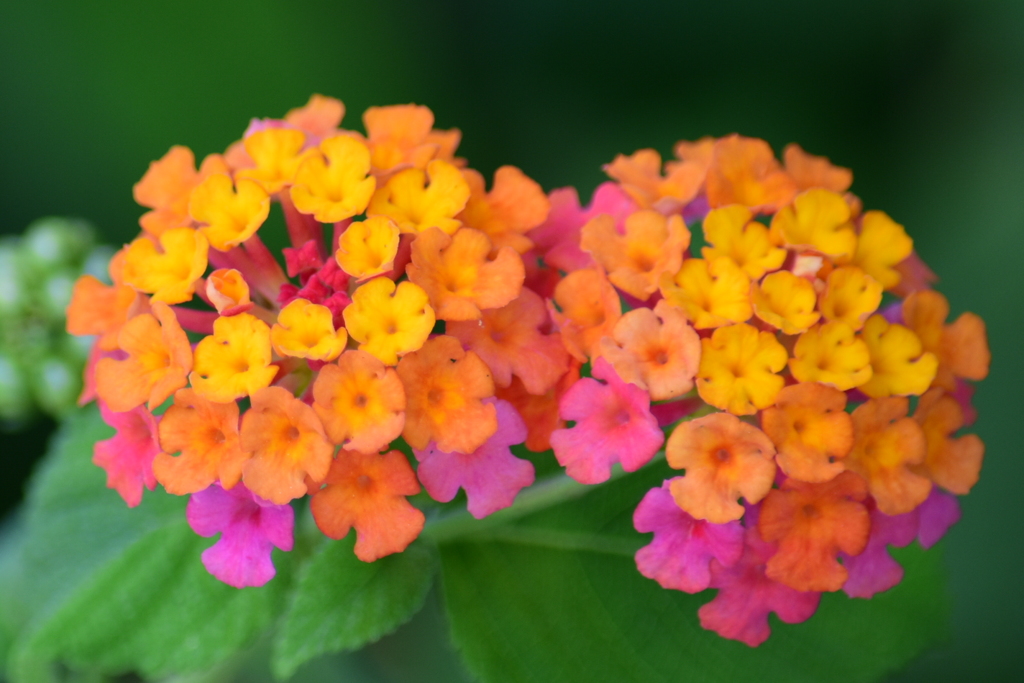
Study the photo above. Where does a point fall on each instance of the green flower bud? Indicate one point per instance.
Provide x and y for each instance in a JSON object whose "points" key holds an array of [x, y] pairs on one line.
{"points": [[55, 295], [97, 261], [13, 293], [56, 383], [15, 398], [54, 242]]}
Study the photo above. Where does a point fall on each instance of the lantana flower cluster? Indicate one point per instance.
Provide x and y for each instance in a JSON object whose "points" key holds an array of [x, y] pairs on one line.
{"points": [[421, 310]]}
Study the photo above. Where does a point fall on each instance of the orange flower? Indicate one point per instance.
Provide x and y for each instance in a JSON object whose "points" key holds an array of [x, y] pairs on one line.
{"points": [[158, 362], [737, 369], [818, 220], [458, 276], [228, 291], [641, 178], [509, 341], [287, 443], [652, 246], [954, 463], [810, 171], [745, 171], [813, 523], [389, 320], [277, 154], [886, 445], [540, 413], [713, 293], [360, 401], [961, 347], [234, 361], [417, 205], [850, 295], [96, 308], [881, 246], [445, 387], [368, 491], [725, 459], [306, 330], [402, 135], [656, 350], [321, 116], [206, 435], [811, 430], [899, 365], [229, 214], [333, 185], [169, 274], [167, 186], [785, 301], [588, 308], [833, 355], [732, 233], [514, 206]]}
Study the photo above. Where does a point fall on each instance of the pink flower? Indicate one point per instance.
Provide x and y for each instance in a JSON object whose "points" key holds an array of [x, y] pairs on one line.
{"points": [[680, 555], [490, 475], [128, 456], [939, 511], [613, 424], [874, 570], [250, 527]]}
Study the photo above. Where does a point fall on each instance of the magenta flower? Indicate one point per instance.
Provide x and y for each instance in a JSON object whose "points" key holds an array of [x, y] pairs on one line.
{"points": [[874, 570], [128, 456], [613, 424], [490, 475], [746, 596], [939, 511], [680, 555], [249, 526]]}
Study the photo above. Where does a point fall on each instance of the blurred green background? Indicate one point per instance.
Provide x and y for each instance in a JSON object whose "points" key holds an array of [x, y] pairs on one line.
{"points": [[924, 100]]}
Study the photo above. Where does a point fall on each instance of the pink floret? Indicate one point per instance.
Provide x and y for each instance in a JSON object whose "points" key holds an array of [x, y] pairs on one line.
{"points": [[128, 456], [874, 570], [939, 511], [680, 555], [250, 528], [490, 475], [613, 424]]}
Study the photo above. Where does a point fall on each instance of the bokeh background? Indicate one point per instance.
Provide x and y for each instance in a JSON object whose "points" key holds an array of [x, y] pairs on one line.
{"points": [[924, 100]]}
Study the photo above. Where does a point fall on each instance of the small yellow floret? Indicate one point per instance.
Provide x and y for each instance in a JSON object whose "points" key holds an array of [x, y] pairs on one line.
{"points": [[731, 232], [737, 369], [306, 330], [833, 355], [818, 220], [231, 216], [416, 205], [170, 275], [882, 244], [278, 154], [900, 365], [368, 248], [785, 301], [712, 293], [234, 361], [334, 185], [388, 321], [850, 295]]}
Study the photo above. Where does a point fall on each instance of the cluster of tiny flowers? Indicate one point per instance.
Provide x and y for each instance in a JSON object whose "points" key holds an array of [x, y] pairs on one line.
{"points": [[418, 308]]}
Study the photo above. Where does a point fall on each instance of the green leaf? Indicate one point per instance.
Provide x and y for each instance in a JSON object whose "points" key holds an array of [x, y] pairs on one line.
{"points": [[557, 597], [118, 589], [342, 603]]}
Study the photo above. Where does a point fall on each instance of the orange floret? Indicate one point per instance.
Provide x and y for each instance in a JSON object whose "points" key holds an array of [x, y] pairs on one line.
{"points": [[640, 176], [514, 206], [732, 233], [737, 369], [389, 320], [360, 401], [961, 347], [725, 459], [713, 293], [234, 361], [745, 171], [333, 185], [652, 246], [540, 413], [881, 246], [785, 301], [811, 430], [166, 188], [656, 350], [401, 135], [817, 220], [831, 354], [277, 153], [368, 248], [954, 463], [287, 443], [99, 309], [206, 435], [808, 170], [321, 116], [899, 364], [169, 274], [306, 330], [158, 362], [886, 446], [229, 215], [417, 205], [445, 387], [368, 491], [813, 523], [588, 308], [850, 295], [228, 291], [459, 277], [509, 341]]}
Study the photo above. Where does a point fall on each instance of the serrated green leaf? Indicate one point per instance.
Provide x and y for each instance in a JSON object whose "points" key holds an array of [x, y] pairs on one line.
{"points": [[342, 603], [557, 597], [118, 589]]}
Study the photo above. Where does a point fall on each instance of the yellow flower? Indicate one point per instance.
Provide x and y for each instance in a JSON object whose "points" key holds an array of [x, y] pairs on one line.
{"points": [[850, 295], [882, 244], [389, 321], [731, 232], [234, 361], [833, 355], [306, 330], [231, 215], [785, 301], [737, 369], [334, 185], [818, 220], [368, 248], [416, 205], [278, 154], [712, 293], [169, 275], [900, 366]]}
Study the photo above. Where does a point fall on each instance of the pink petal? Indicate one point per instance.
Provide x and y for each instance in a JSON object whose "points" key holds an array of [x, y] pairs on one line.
{"points": [[680, 555], [874, 570], [939, 511], [302, 259], [128, 456]]}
